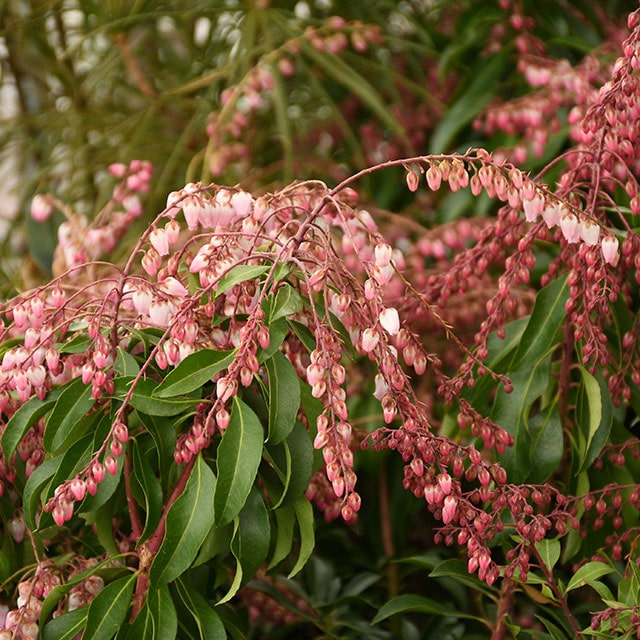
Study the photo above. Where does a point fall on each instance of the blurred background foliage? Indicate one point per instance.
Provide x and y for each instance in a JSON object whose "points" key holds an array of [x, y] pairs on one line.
{"points": [[257, 93]]}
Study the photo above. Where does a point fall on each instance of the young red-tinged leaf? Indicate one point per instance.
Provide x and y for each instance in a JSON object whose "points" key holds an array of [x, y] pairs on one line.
{"points": [[196, 614], [284, 397], [109, 608], [189, 520], [193, 372], [67, 627], [74, 403], [157, 618], [238, 459]]}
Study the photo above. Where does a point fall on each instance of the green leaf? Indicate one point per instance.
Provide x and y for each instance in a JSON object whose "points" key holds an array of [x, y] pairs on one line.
{"points": [[238, 459], [250, 543], [511, 412], [547, 444], [549, 551], [587, 574], [23, 419], [594, 409], [203, 620], [304, 516], [414, 603], [151, 490], [157, 618], [67, 627], [74, 403], [547, 317], [457, 569], [125, 364], [109, 608], [284, 397], [240, 273], [145, 400], [193, 372], [287, 302], [189, 519], [285, 524]]}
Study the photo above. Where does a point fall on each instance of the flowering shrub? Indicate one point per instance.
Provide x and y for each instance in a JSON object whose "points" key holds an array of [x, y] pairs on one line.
{"points": [[459, 399]]}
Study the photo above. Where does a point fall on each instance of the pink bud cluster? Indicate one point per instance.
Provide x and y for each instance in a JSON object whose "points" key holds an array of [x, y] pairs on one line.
{"points": [[21, 623], [80, 241]]}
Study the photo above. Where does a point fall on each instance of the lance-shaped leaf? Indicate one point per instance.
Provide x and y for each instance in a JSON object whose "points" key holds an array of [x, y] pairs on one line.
{"points": [[74, 403], [150, 490], [594, 409], [547, 316], [193, 372], [196, 614], [24, 418], [188, 521], [284, 397], [145, 401], [304, 516], [238, 458], [157, 618], [109, 608], [240, 273], [67, 626]]}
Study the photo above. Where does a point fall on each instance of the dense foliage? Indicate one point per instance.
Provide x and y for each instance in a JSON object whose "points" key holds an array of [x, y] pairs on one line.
{"points": [[372, 371]]}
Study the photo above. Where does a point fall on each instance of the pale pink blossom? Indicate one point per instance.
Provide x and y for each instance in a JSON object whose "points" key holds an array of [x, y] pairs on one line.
{"points": [[174, 287], [159, 241], [241, 202], [589, 232], [533, 208], [41, 208], [370, 338], [383, 253], [610, 252], [390, 321], [570, 227], [551, 214]]}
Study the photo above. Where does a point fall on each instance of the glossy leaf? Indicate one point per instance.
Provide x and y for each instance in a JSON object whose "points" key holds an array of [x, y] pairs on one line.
{"points": [[157, 618], [413, 603], [549, 551], [238, 459], [145, 400], [109, 608], [511, 412], [125, 364], [188, 521], [74, 403], [595, 415], [200, 618], [240, 273], [587, 574], [67, 626], [23, 419], [304, 516], [285, 524], [546, 318], [250, 543], [287, 302], [284, 397], [547, 444], [193, 372], [151, 490]]}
